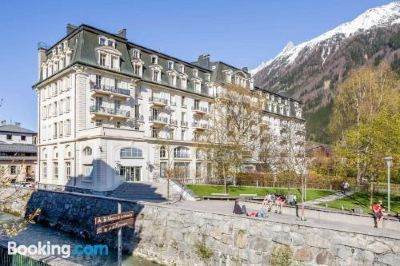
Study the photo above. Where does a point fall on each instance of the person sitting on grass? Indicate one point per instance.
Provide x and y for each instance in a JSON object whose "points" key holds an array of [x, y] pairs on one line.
{"points": [[377, 210]]}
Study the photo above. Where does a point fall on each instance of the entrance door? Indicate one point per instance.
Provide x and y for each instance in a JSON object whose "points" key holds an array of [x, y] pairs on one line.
{"points": [[131, 173]]}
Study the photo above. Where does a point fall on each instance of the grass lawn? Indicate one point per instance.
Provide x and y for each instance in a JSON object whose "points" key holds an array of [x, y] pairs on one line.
{"points": [[206, 190], [361, 200]]}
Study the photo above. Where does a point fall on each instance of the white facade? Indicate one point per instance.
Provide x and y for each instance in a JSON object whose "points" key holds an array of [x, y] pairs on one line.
{"points": [[100, 125]]}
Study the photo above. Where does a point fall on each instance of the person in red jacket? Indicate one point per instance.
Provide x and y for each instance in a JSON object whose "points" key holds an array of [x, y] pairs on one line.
{"points": [[378, 213]]}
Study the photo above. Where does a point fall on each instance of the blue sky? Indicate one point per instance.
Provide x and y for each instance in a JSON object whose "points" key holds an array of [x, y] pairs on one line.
{"points": [[242, 33]]}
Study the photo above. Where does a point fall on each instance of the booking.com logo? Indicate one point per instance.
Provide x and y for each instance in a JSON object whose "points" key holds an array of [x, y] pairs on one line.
{"points": [[65, 251]]}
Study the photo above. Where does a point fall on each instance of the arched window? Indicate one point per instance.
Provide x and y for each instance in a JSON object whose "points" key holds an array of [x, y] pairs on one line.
{"points": [[68, 152], [87, 151], [55, 153], [163, 152], [128, 153], [181, 152], [44, 152]]}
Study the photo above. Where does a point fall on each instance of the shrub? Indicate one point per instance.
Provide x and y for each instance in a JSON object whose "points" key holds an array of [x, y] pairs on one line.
{"points": [[203, 251]]}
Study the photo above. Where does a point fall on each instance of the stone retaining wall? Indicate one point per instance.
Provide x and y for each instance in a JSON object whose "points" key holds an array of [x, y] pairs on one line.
{"points": [[176, 236]]}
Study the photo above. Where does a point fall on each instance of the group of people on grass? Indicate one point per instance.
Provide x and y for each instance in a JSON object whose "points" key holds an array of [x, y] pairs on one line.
{"points": [[270, 202], [276, 202]]}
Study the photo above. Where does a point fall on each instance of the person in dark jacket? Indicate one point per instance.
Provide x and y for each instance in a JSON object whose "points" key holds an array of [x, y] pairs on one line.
{"points": [[236, 208]]}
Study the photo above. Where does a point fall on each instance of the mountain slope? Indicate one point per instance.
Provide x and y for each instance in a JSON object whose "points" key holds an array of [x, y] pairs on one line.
{"points": [[312, 71]]}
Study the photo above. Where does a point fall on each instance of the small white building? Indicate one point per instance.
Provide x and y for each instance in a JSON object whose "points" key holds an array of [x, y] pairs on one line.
{"points": [[109, 107]]}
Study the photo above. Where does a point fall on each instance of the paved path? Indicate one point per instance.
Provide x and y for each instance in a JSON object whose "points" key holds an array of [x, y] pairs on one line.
{"points": [[350, 224], [338, 195]]}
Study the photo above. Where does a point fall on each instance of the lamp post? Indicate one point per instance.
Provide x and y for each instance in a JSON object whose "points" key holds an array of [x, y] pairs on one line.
{"points": [[388, 164]]}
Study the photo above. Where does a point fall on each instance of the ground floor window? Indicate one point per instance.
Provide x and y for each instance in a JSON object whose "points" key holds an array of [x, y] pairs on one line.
{"points": [[44, 170], [68, 170], [198, 170], [182, 170], [131, 173], [163, 169], [88, 171], [13, 170], [55, 170]]}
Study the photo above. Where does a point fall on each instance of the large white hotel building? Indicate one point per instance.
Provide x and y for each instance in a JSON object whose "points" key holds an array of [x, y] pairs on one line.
{"points": [[107, 107]]}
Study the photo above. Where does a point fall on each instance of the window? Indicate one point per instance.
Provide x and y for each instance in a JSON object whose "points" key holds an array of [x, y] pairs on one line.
{"points": [[173, 80], [207, 77], [197, 86], [67, 127], [55, 130], [154, 59], [13, 169], [68, 170], [111, 43], [137, 69], [114, 62], [183, 102], [9, 137], [181, 152], [163, 152], [87, 171], [136, 54], [102, 40], [99, 123], [195, 72], [44, 169], [87, 151], [183, 134], [163, 169], [156, 74], [98, 80], [181, 68], [170, 65], [67, 104], [55, 170], [198, 169], [128, 153], [102, 59], [196, 104], [154, 132], [118, 124]]}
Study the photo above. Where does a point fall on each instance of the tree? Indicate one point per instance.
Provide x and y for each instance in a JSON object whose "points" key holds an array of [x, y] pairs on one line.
{"points": [[235, 136], [361, 97]]}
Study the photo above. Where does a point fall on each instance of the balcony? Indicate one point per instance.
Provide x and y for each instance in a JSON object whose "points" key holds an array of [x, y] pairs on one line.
{"points": [[200, 110], [199, 126], [173, 122], [184, 124], [158, 121], [111, 113], [110, 91], [158, 101]]}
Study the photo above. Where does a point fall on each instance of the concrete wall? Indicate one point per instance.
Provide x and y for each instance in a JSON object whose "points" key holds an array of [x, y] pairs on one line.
{"points": [[176, 236]]}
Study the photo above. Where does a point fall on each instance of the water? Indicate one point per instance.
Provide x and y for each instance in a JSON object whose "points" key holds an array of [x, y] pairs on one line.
{"points": [[35, 232]]}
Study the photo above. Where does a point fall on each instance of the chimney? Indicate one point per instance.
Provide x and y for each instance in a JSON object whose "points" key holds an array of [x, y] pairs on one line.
{"points": [[18, 124], [70, 28], [3, 122], [204, 60], [122, 33], [245, 69]]}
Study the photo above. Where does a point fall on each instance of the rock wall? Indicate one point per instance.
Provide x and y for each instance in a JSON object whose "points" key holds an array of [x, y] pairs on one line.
{"points": [[176, 236], [13, 200]]}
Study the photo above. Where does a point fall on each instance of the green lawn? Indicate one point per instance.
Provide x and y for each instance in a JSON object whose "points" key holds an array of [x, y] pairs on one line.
{"points": [[206, 190], [361, 200]]}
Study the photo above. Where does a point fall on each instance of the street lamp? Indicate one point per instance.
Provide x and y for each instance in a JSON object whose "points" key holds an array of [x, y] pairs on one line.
{"points": [[388, 164]]}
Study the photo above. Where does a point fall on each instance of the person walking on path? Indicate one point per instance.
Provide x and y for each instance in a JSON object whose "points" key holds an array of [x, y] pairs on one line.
{"points": [[378, 213], [346, 187]]}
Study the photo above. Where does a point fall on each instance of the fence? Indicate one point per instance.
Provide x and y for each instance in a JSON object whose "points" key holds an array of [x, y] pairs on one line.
{"points": [[17, 259]]}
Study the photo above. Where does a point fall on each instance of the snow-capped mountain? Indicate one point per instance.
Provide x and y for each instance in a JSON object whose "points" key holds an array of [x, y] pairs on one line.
{"points": [[312, 70], [375, 17]]}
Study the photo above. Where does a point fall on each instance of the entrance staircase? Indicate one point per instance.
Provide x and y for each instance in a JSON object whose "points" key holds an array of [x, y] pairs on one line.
{"points": [[151, 191]]}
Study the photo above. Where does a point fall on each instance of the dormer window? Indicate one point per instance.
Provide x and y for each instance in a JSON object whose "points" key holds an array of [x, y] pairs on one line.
{"points": [[207, 76], [156, 75], [136, 54], [195, 73], [102, 59], [170, 65], [137, 69], [102, 40], [114, 62], [181, 68], [111, 43], [154, 59]]}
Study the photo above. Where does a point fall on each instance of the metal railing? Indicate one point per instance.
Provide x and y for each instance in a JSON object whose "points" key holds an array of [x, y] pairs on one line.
{"points": [[200, 109], [159, 119], [158, 100], [109, 111], [199, 125], [111, 89], [184, 123]]}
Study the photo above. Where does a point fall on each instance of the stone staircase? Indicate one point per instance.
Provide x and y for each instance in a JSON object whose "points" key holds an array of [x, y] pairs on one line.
{"points": [[151, 191], [138, 191]]}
